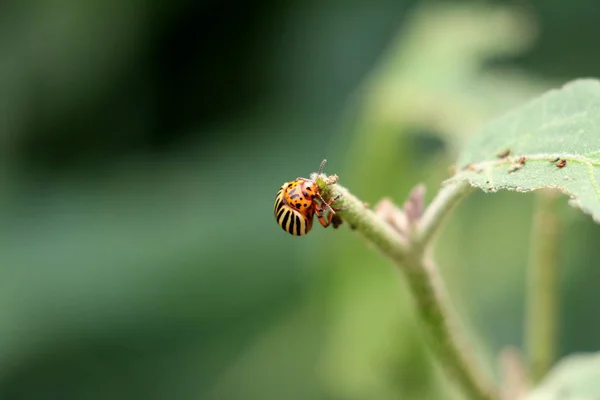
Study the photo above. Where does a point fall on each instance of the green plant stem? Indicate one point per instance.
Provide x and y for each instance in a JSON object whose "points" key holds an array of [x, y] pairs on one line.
{"points": [[542, 285], [447, 198], [449, 343]]}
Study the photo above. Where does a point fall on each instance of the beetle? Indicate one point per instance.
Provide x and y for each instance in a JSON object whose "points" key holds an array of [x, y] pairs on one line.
{"points": [[298, 201]]}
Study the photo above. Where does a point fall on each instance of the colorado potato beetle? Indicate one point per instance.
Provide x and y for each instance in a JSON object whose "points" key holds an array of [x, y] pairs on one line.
{"points": [[297, 202]]}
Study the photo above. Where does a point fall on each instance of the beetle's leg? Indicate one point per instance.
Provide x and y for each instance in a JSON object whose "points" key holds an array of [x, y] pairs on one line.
{"points": [[325, 221], [336, 198], [330, 202]]}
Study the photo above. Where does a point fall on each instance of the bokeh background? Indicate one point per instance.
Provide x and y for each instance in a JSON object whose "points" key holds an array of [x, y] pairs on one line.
{"points": [[142, 145]]}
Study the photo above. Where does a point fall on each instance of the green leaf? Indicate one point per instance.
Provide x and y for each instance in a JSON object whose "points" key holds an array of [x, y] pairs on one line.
{"points": [[562, 124], [575, 378]]}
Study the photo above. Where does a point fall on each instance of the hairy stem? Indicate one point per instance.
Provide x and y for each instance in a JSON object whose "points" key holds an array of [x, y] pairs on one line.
{"points": [[441, 206], [448, 341], [542, 285]]}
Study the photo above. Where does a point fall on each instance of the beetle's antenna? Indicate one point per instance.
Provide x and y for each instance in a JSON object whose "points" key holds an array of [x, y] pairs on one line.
{"points": [[319, 194], [321, 167]]}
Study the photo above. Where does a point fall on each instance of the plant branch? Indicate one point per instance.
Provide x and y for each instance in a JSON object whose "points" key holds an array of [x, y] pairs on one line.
{"points": [[448, 197], [449, 343], [542, 285]]}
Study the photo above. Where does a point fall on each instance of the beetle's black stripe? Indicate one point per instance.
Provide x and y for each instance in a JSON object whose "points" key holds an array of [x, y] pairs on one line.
{"points": [[285, 220], [292, 226], [279, 214], [298, 223], [307, 225], [278, 205]]}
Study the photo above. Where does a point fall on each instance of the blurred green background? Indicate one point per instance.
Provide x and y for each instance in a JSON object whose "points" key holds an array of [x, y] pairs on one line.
{"points": [[142, 145]]}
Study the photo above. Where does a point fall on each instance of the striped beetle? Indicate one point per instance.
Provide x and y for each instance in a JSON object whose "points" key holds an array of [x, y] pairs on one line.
{"points": [[298, 201]]}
